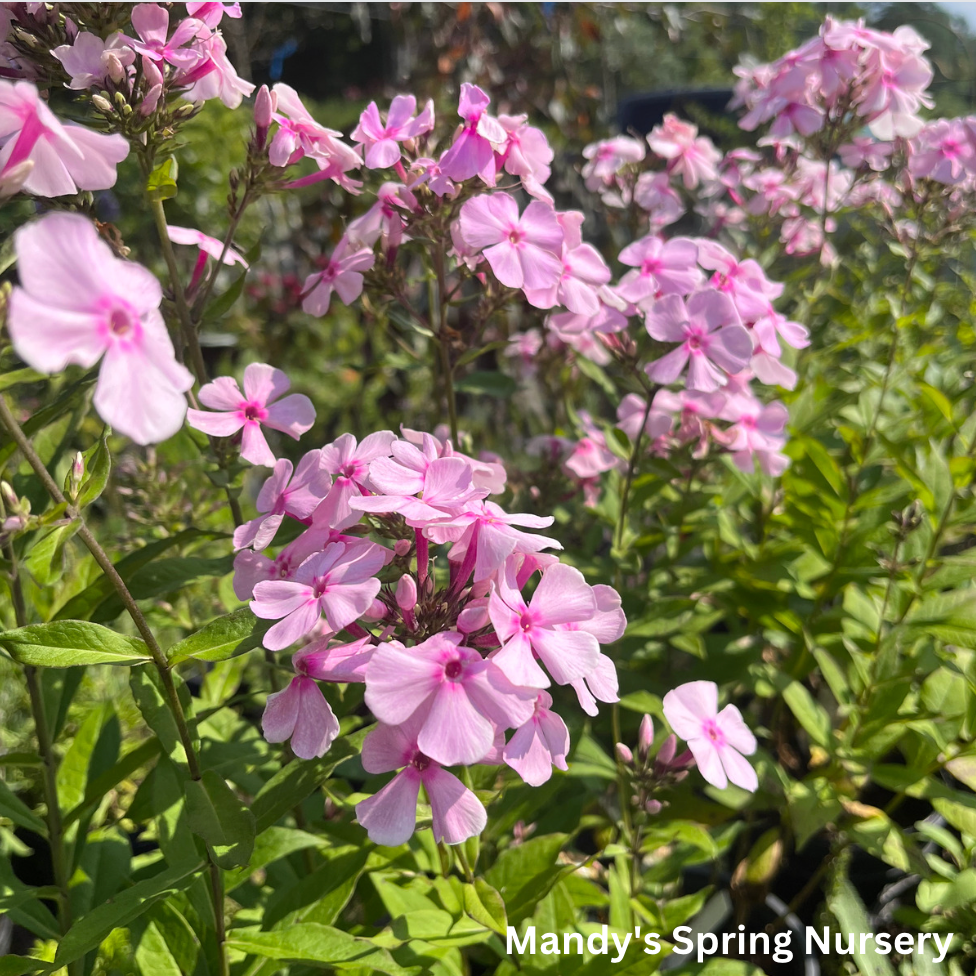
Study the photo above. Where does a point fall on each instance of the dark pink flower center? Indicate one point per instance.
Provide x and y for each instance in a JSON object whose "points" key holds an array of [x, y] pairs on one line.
{"points": [[254, 412], [712, 732], [420, 762], [320, 586], [453, 670], [120, 322], [651, 266], [525, 622], [515, 236]]}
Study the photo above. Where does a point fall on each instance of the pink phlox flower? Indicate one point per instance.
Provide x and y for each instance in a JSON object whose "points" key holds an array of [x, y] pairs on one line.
{"points": [[487, 470], [864, 151], [693, 410], [283, 495], [895, 92], [89, 60], [390, 816], [942, 152], [472, 153], [538, 745], [660, 268], [526, 154], [494, 533], [712, 339], [718, 740], [444, 485], [774, 192], [208, 245], [523, 347], [432, 174], [214, 76], [152, 87], [77, 303], [262, 404], [582, 332], [251, 567], [527, 631], [653, 192], [300, 713], [212, 13], [744, 282], [342, 274], [460, 695], [298, 134], [757, 432], [151, 22], [382, 219], [338, 583], [348, 461], [632, 414], [601, 684], [522, 251], [607, 158], [66, 158], [325, 660], [381, 141], [692, 157]]}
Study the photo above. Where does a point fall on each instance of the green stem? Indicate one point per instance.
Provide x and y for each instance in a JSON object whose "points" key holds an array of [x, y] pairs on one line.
{"points": [[631, 471]]}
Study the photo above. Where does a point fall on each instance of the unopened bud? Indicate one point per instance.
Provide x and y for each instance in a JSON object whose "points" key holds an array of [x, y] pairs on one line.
{"points": [[264, 107], [376, 611], [10, 498], [666, 753], [114, 67], [653, 806], [78, 466], [402, 546], [645, 738], [624, 754], [120, 100], [14, 177], [406, 593], [103, 105]]}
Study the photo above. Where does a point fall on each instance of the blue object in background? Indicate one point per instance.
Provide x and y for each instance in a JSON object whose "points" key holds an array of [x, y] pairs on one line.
{"points": [[278, 58]]}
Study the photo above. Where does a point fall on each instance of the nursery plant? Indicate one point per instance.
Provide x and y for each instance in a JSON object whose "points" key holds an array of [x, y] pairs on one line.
{"points": [[637, 633]]}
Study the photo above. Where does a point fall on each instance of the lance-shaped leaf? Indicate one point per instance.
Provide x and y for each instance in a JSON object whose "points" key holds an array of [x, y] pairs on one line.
{"points": [[218, 816], [234, 633], [69, 643]]}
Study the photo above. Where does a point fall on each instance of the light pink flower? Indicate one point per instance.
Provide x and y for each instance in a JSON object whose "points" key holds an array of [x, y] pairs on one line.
{"points": [[208, 245], [151, 22], [522, 251], [653, 192], [211, 13], [382, 141], [526, 154], [325, 660], [89, 60], [472, 153], [607, 158], [214, 76], [863, 151], [692, 157], [383, 219], [713, 341], [259, 405], [348, 461], [283, 495], [298, 134], [600, 684], [718, 740], [339, 583], [539, 744], [390, 816], [66, 158], [76, 303], [757, 432], [661, 268], [342, 273], [942, 152], [300, 713], [460, 696], [527, 631]]}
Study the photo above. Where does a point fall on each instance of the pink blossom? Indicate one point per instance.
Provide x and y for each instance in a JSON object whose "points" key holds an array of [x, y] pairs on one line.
{"points": [[77, 302], [895, 93], [632, 415], [382, 141], [661, 268], [607, 158], [214, 76], [298, 134], [208, 245], [300, 713], [862, 151], [461, 696], [487, 470], [283, 495], [653, 192], [472, 153], [942, 152], [151, 22], [526, 154], [713, 341], [338, 582], [522, 251], [89, 60], [66, 158], [325, 660], [538, 745], [348, 461], [718, 740], [527, 631], [599, 685], [342, 274], [390, 816], [211, 13], [757, 433], [692, 157], [259, 405], [383, 219], [251, 567], [744, 282]]}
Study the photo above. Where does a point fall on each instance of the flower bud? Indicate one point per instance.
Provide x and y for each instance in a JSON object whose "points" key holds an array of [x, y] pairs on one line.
{"points": [[653, 806], [624, 754], [665, 754], [376, 611], [645, 738], [14, 177], [10, 498], [265, 103], [103, 105], [402, 546], [406, 593]]}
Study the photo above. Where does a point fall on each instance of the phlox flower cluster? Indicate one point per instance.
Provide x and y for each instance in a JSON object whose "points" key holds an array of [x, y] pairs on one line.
{"points": [[458, 628]]}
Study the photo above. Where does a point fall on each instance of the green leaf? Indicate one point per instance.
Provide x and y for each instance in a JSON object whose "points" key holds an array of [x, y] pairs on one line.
{"points": [[523, 875], [846, 906], [223, 303], [13, 378], [145, 685], [98, 465], [19, 965], [89, 932], [486, 383], [124, 768], [162, 180], [45, 561], [299, 779], [222, 638], [950, 617], [153, 956], [73, 771], [808, 712], [14, 809], [218, 816], [309, 942], [68, 643], [485, 905]]}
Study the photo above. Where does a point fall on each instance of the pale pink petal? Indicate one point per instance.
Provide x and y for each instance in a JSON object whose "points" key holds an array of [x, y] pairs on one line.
{"points": [[254, 445], [457, 812], [263, 383], [668, 368], [735, 730], [689, 706], [223, 393], [293, 415], [504, 261], [709, 762], [386, 748], [390, 816], [517, 663], [455, 733], [562, 596], [739, 770], [567, 654], [527, 752], [316, 725], [281, 713], [398, 682], [293, 627], [49, 338], [215, 424]]}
